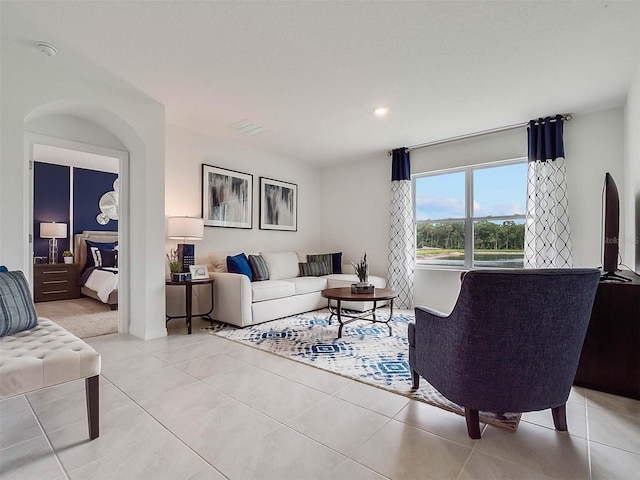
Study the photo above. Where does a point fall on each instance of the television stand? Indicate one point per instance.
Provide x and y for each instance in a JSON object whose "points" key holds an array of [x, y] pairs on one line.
{"points": [[610, 359], [613, 277]]}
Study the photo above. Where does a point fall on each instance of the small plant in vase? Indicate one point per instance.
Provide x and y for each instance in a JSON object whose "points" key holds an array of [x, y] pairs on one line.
{"points": [[67, 256], [362, 270], [174, 262]]}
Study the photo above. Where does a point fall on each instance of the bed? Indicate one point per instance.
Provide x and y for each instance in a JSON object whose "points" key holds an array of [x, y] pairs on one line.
{"points": [[100, 285]]}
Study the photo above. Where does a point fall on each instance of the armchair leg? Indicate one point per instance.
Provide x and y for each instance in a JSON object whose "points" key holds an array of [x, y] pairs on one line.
{"points": [[415, 380], [473, 423], [92, 392], [560, 417]]}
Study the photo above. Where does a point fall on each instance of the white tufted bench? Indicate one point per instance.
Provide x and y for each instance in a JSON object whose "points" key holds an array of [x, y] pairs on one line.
{"points": [[48, 355]]}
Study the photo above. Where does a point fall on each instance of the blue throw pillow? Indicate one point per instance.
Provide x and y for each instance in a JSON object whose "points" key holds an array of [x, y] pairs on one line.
{"points": [[239, 264], [17, 312], [109, 258], [90, 257], [337, 262], [3, 268]]}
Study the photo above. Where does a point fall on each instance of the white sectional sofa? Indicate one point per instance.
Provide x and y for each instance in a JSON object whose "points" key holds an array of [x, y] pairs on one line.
{"points": [[240, 302]]}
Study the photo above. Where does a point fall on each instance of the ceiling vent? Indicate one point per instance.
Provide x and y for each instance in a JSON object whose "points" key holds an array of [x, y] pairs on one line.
{"points": [[248, 128]]}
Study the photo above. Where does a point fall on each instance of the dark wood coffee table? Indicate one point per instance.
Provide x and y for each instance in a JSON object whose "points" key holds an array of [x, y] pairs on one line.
{"points": [[344, 294]]}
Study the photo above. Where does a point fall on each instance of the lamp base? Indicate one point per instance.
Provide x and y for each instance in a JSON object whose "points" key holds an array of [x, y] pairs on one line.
{"points": [[53, 250], [186, 255]]}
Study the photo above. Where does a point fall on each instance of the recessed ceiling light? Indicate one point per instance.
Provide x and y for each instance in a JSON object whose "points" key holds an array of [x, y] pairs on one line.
{"points": [[47, 48], [380, 111]]}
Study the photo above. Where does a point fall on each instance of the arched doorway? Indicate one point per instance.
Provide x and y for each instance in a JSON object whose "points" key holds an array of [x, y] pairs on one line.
{"points": [[74, 128]]}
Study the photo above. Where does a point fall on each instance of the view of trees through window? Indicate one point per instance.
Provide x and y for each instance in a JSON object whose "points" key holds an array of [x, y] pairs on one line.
{"points": [[483, 203]]}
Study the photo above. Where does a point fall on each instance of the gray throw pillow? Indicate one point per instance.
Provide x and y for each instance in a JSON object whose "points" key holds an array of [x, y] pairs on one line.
{"points": [[326, 258], [17, 312], [313, 269], [259, 268]]}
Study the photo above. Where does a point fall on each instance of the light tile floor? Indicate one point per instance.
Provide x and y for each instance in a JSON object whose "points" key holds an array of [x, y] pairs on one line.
{"points": [[201, 407]]}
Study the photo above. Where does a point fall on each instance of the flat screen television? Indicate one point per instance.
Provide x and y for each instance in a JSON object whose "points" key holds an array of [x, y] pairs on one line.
{"points": [[611, 238]]}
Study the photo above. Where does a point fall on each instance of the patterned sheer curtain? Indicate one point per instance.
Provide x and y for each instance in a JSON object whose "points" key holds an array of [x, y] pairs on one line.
{"points": [[547, 234], [402, 231]]}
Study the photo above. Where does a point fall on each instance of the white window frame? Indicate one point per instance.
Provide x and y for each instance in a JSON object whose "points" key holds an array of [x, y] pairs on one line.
{"points": [[468, 218]]}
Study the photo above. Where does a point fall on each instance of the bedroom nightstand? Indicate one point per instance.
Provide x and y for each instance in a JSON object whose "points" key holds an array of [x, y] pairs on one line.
{"points": [[57, 281]]}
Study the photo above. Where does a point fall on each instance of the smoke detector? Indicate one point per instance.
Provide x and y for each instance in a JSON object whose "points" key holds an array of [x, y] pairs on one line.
{"points": [[47, 48]]}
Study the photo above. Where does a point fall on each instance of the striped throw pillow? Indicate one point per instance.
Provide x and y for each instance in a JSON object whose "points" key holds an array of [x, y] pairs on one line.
{"points": [[258, 268], [313, 269], [17, 312], [326, 258]]}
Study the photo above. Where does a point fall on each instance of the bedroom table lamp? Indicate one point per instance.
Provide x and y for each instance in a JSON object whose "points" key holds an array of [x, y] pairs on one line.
{"points": [[185, 228], [53, 231]]}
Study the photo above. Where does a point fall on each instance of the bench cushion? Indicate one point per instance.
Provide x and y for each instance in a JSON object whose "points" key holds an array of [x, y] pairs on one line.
{"points": [[17, 312], [44, 356]]}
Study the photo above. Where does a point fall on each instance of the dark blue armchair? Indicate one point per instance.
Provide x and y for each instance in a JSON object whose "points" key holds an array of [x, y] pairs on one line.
{"points": [[511, 344]]}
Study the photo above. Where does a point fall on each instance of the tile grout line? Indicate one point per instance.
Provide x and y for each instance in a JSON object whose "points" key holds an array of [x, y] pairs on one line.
{"points": [[167, 429], [586, 413], [46, 437]]}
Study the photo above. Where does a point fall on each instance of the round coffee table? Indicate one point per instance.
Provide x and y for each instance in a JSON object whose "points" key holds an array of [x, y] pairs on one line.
{"points": [[344, 294]]}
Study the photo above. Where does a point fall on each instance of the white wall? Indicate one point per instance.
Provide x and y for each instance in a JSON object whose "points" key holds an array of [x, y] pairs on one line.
{"points": [[360, 203], [74, 128], [186, 151], [632, 174], [355, 214], [34, 86]]}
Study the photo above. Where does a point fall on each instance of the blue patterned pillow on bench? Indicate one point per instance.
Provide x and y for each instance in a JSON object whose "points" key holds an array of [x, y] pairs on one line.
{"points": [[17, 312]]}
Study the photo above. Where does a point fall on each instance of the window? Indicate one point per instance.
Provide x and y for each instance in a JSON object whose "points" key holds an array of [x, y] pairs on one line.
{"points": [[472, 217]]}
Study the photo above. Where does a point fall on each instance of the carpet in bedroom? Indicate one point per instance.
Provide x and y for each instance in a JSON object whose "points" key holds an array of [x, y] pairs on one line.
{"points": [[84, 317]]}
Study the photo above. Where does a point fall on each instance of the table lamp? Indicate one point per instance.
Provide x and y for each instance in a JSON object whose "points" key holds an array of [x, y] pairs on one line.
{"points": [[185, 228], [53, 231]]}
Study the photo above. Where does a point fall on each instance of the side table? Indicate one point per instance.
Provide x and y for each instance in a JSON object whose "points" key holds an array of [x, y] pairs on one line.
{"points": [[188, 288]]}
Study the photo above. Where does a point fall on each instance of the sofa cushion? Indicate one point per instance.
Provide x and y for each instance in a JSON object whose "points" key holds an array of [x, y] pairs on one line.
{"points": [[258, 268], [313, 269], [345, 280], [308, 284], [281, 265], [239, 264], [17, 312], [270, 289]]}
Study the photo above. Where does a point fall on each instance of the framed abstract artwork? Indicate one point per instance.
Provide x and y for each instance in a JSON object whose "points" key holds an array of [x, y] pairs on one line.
{"points": [[227, 197], [278, 205]]}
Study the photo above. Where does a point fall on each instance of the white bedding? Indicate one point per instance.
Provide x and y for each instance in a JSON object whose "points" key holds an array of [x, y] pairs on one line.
{"points": [[103, 282]]}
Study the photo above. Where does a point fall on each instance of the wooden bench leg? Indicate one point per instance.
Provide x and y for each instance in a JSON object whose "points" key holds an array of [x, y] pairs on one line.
{"points": [[92, 392]]}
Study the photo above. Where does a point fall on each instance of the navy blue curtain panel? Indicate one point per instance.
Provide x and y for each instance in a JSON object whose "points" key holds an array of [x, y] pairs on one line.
{"points": [[545, 139], [401, 166]]}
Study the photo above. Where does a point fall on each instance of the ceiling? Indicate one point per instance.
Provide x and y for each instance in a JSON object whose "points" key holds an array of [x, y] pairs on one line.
{"points": [[311, 72]]}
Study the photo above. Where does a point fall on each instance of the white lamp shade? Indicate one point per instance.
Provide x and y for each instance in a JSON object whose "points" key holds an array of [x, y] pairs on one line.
{"points": [[53, 230], [187, 228]]}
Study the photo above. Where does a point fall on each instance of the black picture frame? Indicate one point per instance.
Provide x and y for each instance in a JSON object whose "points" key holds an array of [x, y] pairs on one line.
{"points": [[278, 205], [227, 198]]}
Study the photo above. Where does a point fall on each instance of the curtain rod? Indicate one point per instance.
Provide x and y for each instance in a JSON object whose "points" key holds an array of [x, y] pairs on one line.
{"points": [[567, 117]]}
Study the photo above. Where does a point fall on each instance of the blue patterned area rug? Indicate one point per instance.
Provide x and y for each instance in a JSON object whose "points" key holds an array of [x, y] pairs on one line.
{"points": [[365, 353]]}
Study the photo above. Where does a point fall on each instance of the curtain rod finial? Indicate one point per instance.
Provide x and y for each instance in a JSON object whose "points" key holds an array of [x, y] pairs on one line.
{"points": [[568, 117]]}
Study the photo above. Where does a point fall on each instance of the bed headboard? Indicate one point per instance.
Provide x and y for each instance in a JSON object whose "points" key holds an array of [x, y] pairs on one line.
{"points": [[80, 247]]}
